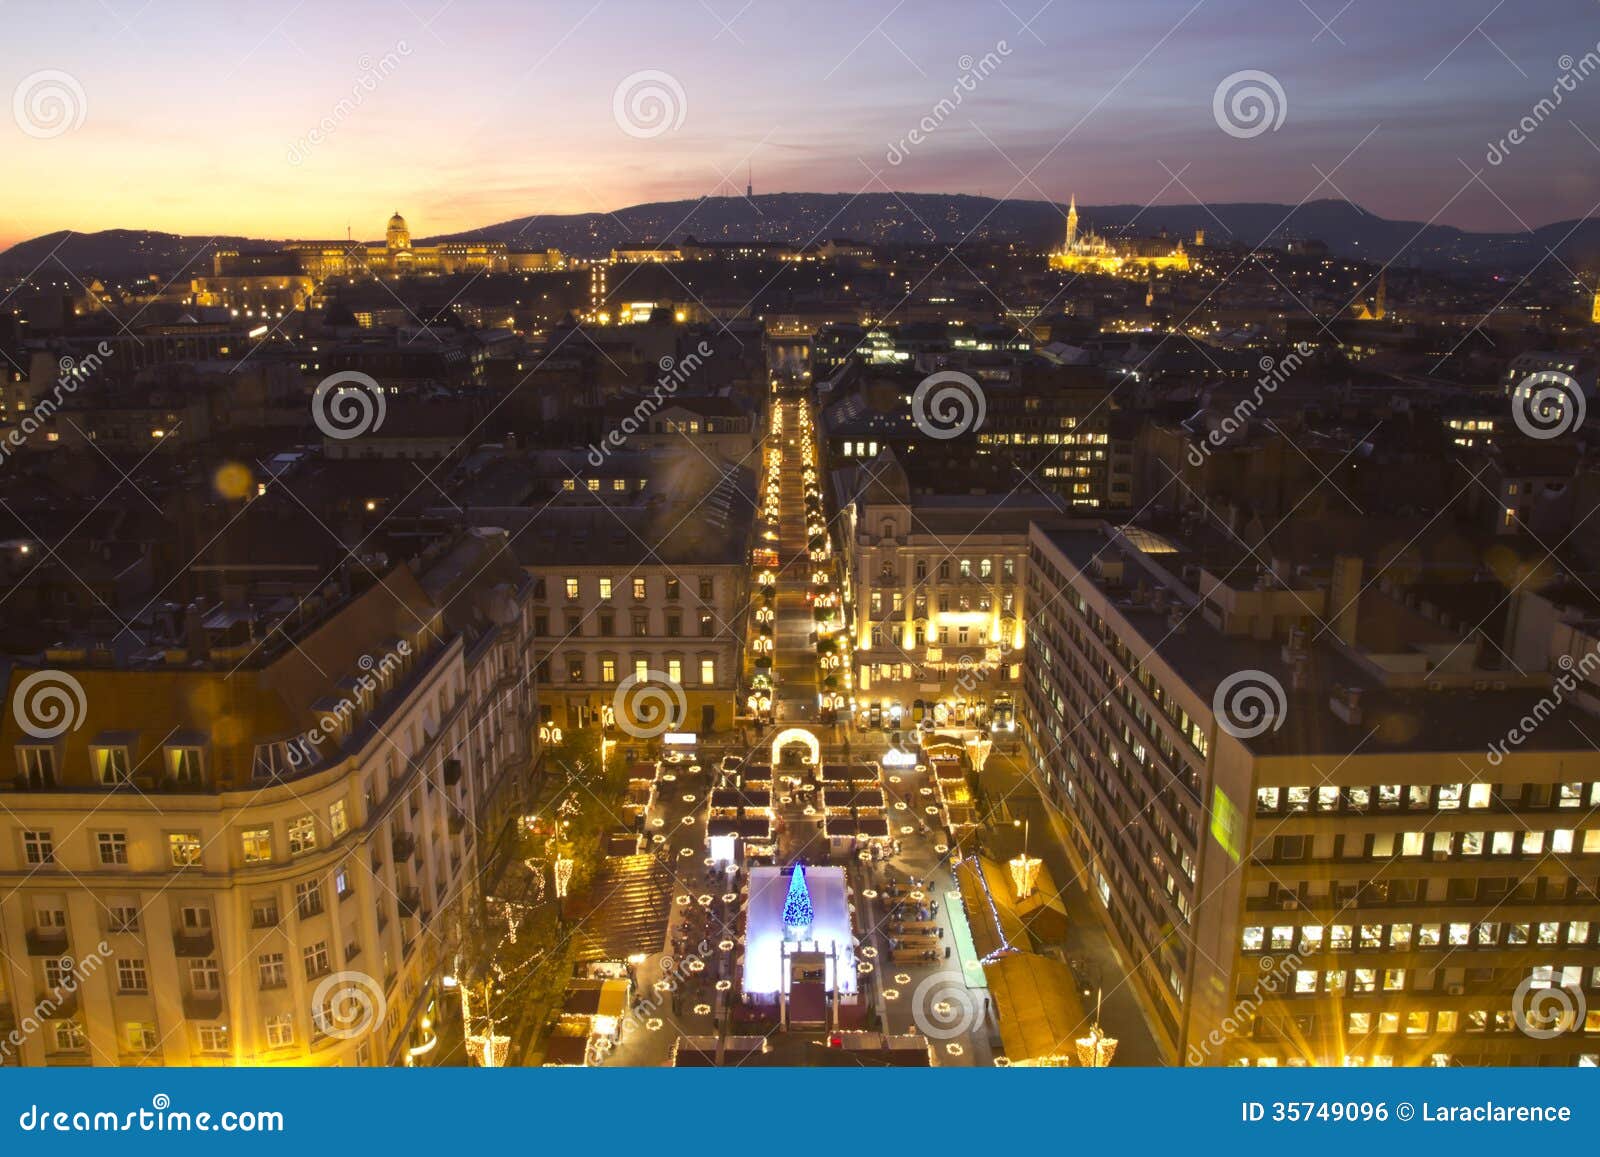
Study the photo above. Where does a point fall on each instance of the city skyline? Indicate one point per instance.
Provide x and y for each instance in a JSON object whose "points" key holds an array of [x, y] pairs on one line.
{"points": [[470, 114], [501, 587]]}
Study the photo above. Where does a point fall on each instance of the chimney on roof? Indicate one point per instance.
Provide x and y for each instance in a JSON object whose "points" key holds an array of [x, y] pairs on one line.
{"points": [[1345, 596], [1346, 704], [194, 631]]}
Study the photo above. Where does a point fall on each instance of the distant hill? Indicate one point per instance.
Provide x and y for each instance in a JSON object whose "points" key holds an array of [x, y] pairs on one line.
{"points": [[912, 218], [116, 253], [906, 218]]}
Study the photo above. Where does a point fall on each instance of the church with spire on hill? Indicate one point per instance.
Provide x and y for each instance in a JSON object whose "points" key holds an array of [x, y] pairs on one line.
{"points": [[1085, 251]]}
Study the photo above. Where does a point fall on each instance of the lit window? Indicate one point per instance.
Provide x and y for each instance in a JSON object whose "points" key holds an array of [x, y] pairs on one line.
{"points": [[258, 846], [112, 765], [302, 835], [280, 1030]]}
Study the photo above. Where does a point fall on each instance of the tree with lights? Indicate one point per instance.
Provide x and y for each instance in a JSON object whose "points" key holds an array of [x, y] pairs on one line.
{"points": [[797, 913]]}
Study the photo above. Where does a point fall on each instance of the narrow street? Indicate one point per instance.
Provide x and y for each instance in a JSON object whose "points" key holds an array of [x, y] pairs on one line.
{"points": [[795, 662]]}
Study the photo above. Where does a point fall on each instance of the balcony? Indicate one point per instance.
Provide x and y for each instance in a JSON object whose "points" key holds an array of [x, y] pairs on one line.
{"points": [[47, 941], [457, 822], [410, 901], [404, 844], [202, 1005], [193, 942], [57, 1005], [452, 772]]}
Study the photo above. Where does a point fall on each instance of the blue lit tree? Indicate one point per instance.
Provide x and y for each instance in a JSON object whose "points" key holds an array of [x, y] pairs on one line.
{"points": [[797, 913]]}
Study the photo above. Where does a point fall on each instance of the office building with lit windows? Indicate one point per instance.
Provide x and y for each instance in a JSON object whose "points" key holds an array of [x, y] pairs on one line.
{"points": [[1324, 819]]}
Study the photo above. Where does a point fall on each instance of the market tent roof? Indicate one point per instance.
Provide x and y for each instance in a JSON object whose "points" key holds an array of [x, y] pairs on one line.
{"points": [[1041, 1014], [986, 896], [1022, 924], [562, 1049], [1043, 912], [613, 1000], [582, 997]]}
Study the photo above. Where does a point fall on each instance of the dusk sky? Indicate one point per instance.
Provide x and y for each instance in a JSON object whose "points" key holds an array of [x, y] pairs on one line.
{"points": [[491, 110]]}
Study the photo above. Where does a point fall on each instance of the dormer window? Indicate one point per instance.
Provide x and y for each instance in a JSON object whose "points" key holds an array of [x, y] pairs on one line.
{"points": [[281, 759], [36, 766], [183, 766], [113, 765]]}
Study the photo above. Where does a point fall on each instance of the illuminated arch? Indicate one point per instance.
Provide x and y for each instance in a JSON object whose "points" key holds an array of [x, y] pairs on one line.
{"points": [[796, 735]]}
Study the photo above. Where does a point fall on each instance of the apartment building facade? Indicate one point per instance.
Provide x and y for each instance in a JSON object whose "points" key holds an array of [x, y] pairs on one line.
{"points": [[234, 857], [644, 593], [936, 591], [1361, 879]]}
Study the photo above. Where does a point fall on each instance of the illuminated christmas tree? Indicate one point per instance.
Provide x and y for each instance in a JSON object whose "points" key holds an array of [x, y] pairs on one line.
{"points": [[797, 914]]}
